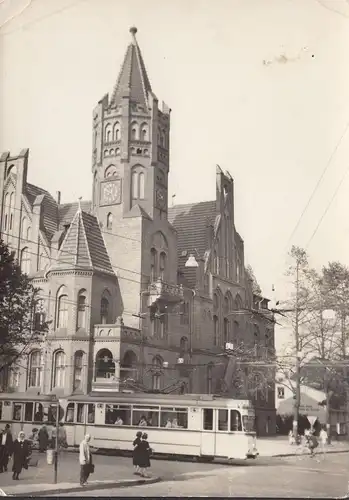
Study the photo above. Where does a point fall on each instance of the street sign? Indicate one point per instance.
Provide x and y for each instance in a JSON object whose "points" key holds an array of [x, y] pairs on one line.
{"points": [[311, 419]]}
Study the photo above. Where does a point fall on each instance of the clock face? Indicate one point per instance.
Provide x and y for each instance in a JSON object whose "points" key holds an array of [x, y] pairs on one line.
{"points": [[160, 198], [111, 192]]}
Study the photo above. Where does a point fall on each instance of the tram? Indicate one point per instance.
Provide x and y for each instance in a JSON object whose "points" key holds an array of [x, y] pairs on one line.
{"points": [[25, 411], [201, 426]]}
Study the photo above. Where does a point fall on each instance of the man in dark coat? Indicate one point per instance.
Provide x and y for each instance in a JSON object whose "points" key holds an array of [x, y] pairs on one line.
{"points": [[43, 439], [21, 454], [6, 443]]}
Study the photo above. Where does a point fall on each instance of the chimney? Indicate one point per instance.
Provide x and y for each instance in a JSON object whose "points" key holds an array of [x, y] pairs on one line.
{"points": [[58, 197]]}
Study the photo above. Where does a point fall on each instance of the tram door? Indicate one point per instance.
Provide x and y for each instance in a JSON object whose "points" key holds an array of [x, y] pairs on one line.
{"points": [[208, 434]]}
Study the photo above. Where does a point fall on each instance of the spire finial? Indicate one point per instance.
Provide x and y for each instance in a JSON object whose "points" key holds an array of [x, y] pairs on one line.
{"points": [[79, 202], [133, 31]]}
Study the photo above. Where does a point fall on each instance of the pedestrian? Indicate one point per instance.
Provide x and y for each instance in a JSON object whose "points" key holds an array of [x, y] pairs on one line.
{"points": [[85, 459], [312, 443], [21, 454], [43, 439], [6, 444], [323, 440], [135, 458], [62, 436], [291, 438], [144, 455]]}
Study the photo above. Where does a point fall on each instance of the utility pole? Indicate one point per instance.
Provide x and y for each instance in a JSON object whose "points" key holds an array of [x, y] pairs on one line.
{"points": [[191, 328], [56, 444], [297, 399]]}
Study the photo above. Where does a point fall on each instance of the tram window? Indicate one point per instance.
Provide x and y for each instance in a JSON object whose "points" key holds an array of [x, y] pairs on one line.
{"points": [[70, 413], [17, 410], [174, 418], [0, 410], [222, 420], [118, 415], [207, 419], [80, 413], [235, 421], [146, 417], [91, 413], [28, 412], [38, 412], [249, 423]]}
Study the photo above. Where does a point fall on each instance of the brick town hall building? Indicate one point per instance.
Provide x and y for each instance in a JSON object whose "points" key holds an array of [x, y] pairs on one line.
{"points": [[125, 312]]}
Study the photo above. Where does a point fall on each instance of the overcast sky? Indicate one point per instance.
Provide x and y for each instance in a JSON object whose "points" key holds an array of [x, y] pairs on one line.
{"points": [[260, 87]]}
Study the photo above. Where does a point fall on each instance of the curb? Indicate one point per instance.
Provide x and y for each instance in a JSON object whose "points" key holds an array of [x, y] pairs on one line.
{"points": [[88, 487], [295, 454]]}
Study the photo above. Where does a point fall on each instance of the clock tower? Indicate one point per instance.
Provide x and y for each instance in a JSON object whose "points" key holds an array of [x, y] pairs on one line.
{"points": [[130, 162]]}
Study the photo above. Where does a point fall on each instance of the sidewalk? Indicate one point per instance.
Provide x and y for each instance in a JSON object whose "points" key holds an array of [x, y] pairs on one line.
{"points": [[280, 447], [38, 481]]}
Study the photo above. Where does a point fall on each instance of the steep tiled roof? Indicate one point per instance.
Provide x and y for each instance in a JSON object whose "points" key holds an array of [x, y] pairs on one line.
{"points": [[49, 208], [191, 223], [83, 245], [133, 79], [67, 211]]}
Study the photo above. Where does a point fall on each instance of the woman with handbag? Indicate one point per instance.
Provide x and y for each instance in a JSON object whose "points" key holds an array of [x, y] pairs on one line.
{"points": [[21, 454], [135, 457], [85, 459]]}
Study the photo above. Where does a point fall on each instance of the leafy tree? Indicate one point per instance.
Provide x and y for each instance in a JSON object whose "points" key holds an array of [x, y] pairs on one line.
{"points": [[21, 325]]}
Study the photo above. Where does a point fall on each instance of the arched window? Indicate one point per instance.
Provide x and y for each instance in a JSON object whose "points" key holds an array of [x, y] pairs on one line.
{"points": [[39, 315], [134, 182], [81, 316], [108, 133], [162, 265], [12, 204], [215, 330], [28, 233], [226, 306], [238, 302], [78, 360], [24, 227], [138, 184], [62, 309], [105, 365], [144, 132], [110, 171], [215, 302], [105, 309], [25, 261], [109, 221], [6, 209], [117, 131], [226, 330], [59, 364], [35, 369], [117, 151], [141, 185], [134, 131], [209, 378], [157, 365], [153, 273]]}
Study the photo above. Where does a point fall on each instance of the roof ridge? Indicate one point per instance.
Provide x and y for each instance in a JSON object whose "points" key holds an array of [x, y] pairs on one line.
{"points": [[85, 235]]}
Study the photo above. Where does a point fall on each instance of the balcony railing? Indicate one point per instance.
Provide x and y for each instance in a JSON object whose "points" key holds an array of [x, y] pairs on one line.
{"points": [[160, 290]]}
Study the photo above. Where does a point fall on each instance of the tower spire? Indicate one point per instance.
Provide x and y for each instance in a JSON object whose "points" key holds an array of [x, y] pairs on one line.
{"points": [[133, 81]]}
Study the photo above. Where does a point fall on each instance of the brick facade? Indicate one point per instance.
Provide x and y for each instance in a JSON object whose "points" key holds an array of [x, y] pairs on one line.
{"points": [[122, 305]]}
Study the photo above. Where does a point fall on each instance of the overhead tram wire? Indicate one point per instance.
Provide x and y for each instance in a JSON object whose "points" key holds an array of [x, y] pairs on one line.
{"points": [[318, 182], [328, 164], [328, 205]]}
